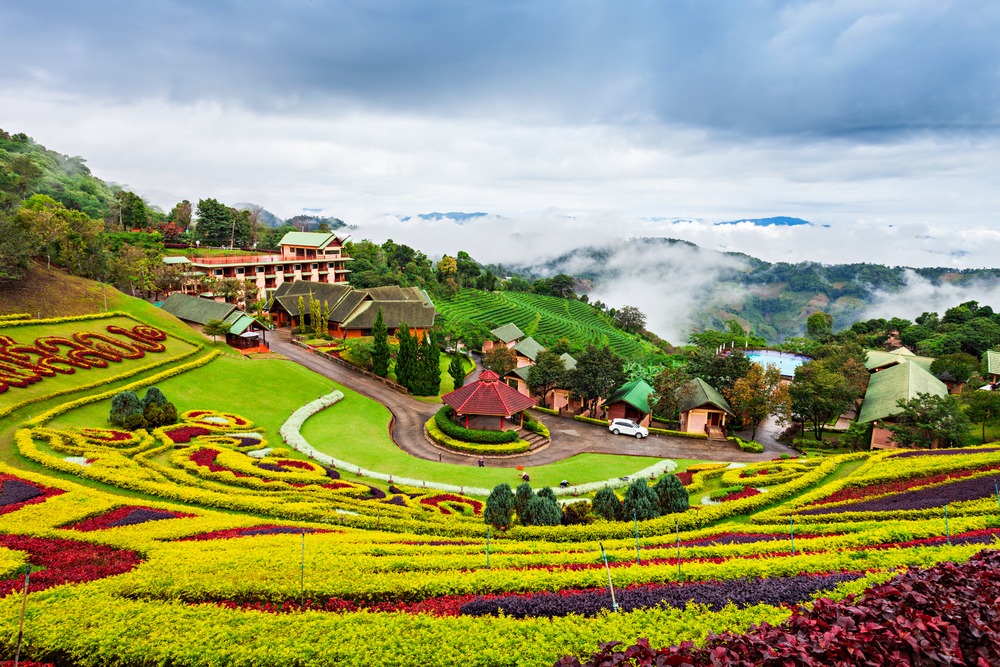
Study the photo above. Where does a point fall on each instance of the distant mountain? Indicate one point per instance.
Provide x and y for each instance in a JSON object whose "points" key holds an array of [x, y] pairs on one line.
{"points": [[454, 216], [777, 221], [267, 219], [305, 223]]}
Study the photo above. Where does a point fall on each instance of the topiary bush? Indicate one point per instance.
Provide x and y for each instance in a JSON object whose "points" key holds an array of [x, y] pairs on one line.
{"points": [[640, 501], [671, 495], [606, 505], [124, 405], [499, 507]]}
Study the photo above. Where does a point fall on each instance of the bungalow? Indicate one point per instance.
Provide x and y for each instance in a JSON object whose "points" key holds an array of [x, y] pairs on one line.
{"points": [[630, 401], [703, 409], [353, 312], [508, 335], [526, 351], [902, 381], [991, 365], [244, 332]]}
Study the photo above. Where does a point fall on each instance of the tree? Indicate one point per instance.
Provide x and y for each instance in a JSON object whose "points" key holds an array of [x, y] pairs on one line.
{"points": [[928, 420], [522, 495], [380, 346], [598, 372], [982, 406], [125, 405], [667, 392], [819, 325], [130, 266], [427, 380], [541, 511], [446, 268], [757, 395], [607, 505], [180, 215], [501, 360], [959, 366], [133, 213], [219, 224], [499, 508], [821, 391], [671, 495], [154, 397], [406, 357], [456, 369], [42, 214], [630, 319], [640, 501], [546, 373], [561, 286], [215, 328], [17, 243], [719, 372]]}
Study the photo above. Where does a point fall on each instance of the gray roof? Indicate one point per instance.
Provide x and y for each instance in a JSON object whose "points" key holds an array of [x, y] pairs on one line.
{"points": [[195, 309], [416, 314], [992, 362], [176, 260], [508, 332], [698, 393], [568, 361]]}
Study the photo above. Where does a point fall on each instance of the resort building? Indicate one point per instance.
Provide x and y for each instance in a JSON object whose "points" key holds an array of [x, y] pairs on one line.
{"points": [[244, 332], [630, 401], [315, 257], [703, 409], [508, 335], [488, 403], [991, 364], [893, 383], [353, 311]]}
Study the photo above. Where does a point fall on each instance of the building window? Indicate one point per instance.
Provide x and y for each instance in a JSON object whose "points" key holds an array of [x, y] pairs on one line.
{"points": [[314, 266], [218, 272], [297, 267], [260, 269], [240, 269]]}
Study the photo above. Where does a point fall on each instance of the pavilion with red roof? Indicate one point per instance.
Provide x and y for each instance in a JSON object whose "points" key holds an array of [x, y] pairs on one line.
{"points": [[487, 397]]}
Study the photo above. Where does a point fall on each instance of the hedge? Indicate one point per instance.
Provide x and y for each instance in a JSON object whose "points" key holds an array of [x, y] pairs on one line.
{"points": [[536, 426], [547, 411], [751, 446], [516, 447], [444, 423]]}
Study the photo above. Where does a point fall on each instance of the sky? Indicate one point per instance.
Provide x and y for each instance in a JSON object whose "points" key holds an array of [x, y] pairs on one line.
{"points": [[569, 122]]}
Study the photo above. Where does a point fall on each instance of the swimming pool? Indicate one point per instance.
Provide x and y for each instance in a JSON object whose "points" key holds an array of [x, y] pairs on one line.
{"points": [[785, 361]]}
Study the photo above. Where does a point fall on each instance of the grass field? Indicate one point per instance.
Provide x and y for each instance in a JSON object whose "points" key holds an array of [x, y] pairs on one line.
{"points": [[545, 318]]}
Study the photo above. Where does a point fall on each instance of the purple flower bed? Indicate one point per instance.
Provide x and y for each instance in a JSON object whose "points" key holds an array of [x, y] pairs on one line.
{"points": [[715, 594], [124, 516], [374, 493], [920, 499], [14, 491], [142, 516], [945, 452], [332, 474], [250, 532], [396, 500], [272, 467]]}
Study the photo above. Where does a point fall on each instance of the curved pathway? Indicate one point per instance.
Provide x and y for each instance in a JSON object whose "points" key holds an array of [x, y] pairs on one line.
{"points": [[569, 437]]}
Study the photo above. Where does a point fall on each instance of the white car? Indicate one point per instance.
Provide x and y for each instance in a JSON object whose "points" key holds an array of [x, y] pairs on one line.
{"points": [[627, 427]]}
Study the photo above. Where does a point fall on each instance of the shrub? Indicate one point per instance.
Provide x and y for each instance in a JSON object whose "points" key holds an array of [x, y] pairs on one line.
{"points": [[578, 513], [499, 507], [671, 495], [546, 492], [640, 501], [443, 420], [125, 404], [751, 446], [535, 426], [521, 497], [607, 505], [719, 494], [542, 511], [153, 397]]}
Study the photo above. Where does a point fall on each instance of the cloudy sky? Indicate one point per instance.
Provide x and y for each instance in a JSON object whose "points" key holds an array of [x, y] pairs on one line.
{"points": [[569, 121]]}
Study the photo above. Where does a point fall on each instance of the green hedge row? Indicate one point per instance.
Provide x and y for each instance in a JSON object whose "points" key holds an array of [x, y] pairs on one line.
{"points": [[516, 447], [444, 423]]}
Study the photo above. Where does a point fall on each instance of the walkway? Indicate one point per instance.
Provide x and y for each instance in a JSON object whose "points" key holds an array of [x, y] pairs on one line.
{"points": [[569, 437]]}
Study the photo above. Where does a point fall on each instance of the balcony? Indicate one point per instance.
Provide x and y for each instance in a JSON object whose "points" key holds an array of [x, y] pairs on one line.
{"points": [[235, 259]]}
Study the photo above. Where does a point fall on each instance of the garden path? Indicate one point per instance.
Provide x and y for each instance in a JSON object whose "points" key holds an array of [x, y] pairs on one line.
{"points": [[569, 437]]}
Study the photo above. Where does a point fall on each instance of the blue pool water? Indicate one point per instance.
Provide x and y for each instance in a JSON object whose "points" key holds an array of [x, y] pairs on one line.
{"points": [[785, 361]]}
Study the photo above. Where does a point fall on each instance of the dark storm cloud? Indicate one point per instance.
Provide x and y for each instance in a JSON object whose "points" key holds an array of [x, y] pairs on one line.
{"points": [[862, 69]]}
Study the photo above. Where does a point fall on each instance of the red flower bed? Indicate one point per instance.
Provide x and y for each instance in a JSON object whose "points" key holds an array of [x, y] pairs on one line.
{"points": [[107, 435], [129, 515], [756, 473], [745, 493], [206, 458], [685, 477], [250, 531], [185, 433], [65, 562], [436, 502], [15, 493], [292, 463], [946, 614], [889, 488]]}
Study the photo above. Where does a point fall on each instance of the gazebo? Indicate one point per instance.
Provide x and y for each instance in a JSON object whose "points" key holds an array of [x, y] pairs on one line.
{"points": [[487, 397]]}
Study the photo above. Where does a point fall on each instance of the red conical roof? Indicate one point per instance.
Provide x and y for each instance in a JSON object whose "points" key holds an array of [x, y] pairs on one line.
{"points": [[487, 396]]}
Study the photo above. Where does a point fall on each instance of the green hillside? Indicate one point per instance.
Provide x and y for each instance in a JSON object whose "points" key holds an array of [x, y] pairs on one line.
{"points": [[545, 318]]}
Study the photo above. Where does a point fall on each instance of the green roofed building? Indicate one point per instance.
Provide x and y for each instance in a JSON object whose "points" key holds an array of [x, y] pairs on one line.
{"points": [[630, 401], [245, 332], [703, 409], [507, 335], [900, 382]]}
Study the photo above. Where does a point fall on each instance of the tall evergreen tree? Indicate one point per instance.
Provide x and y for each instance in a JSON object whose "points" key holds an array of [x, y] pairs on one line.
{"points": [[640, 501], [406, 358], [302, 312], [607, 505], [380, 346], [428, 375], [499, 507], [522, 495], [456, 369], [671, 494]]}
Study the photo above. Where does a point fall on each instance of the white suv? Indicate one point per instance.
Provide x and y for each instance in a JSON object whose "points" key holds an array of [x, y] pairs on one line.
{"points": [[627, 427]]}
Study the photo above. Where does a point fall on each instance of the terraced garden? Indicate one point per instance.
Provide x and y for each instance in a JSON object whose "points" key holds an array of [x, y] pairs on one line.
{"points": [[219, 541], [545, 318]]}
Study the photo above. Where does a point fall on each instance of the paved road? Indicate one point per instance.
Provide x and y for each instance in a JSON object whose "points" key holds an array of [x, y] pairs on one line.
{"points": [[568, 437]]}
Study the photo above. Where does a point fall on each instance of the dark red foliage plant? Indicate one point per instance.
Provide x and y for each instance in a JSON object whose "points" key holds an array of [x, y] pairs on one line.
{"points": [[945, 615]]}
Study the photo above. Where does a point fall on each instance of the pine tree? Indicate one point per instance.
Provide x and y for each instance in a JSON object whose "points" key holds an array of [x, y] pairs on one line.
{"points": [[325, 324], [124, 407], [607, 505], [427, 378], [456, 369], [640, 501], [671, 495], [542, 512], [521, 497], [380, 346], [499, 507], [302, 314], [406, 358]]}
